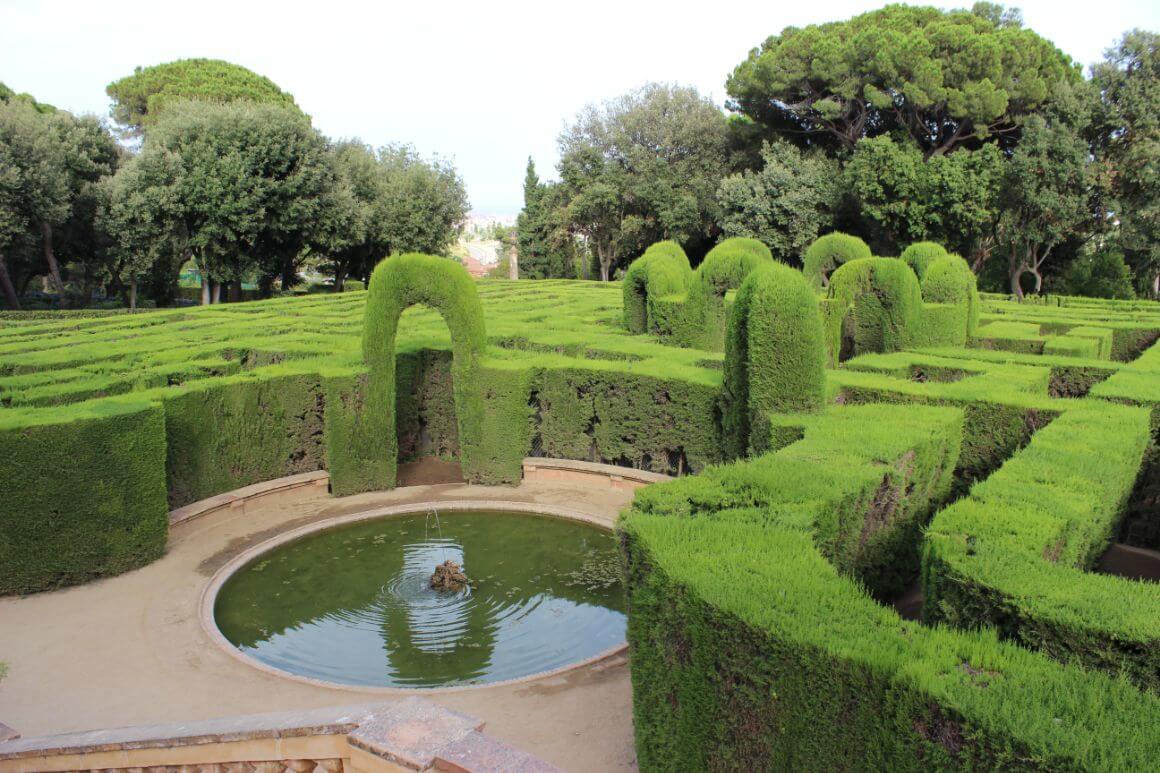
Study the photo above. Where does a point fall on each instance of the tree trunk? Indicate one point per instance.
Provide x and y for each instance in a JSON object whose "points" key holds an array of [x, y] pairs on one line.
{"points": [[289, 275], [1156, 285], [133, 293], [1038, 279], [215, 292], [605, 263], [514, 263], [10, 296], [204, 290], [236, 295], [53, 266], [340, 277]]}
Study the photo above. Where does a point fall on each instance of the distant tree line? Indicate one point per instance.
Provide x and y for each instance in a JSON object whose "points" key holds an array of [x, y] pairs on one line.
{"points": [[899, 125], [229, 178]]}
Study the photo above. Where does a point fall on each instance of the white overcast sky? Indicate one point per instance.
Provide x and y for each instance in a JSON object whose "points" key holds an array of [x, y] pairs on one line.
{"points": [[485, 84]]}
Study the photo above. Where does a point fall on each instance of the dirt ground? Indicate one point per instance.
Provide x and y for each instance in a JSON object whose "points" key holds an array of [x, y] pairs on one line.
{"points": [[130, 650]]}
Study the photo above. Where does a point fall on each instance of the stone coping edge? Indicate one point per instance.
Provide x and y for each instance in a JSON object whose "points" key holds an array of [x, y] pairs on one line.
{"points": [[412, 732], [321, 479], [238, 497], [611, 471], [209, 594]]}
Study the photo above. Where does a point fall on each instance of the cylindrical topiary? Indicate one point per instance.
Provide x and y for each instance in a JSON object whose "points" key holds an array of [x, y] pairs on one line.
{"points": [[920, 255], [662, 270], [949, 279], [828, 252], [444, 285], [774, 355]]}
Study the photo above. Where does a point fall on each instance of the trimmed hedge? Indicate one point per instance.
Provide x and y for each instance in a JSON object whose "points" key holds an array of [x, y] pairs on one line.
{"points": [[875, 305], [84, 495], [1012, 555], [662, 271], [755, 645], [445, 285], [920, 255], [774, 356], [828, 253], [704, 312]]}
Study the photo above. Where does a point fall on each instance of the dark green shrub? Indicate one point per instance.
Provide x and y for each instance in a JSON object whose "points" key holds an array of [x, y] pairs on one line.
{"points": [[1101, 274], [920, 255], [830, 251], [775, 355], [84, 494]]}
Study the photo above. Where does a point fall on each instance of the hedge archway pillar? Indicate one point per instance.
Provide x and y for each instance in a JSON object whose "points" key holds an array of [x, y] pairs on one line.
{"points": [[396, 284], [775, 356]]}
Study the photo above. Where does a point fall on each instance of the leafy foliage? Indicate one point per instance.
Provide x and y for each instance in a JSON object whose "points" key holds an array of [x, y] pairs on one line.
{"points": [[786, 204], [141, 98], [643, 168], [944, 78]]}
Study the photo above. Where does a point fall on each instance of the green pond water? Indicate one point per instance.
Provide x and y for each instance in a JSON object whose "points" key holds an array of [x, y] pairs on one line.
{"points": [[353, 604]]}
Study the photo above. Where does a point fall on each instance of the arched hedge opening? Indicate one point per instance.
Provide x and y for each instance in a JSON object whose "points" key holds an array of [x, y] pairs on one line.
{"points": [[774, 356], [873, 305], [828, 253], [920, 255], [444, 285]]}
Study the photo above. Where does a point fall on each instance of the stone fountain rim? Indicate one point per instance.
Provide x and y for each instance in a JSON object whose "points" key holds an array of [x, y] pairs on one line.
{"points": [[237, 563]]}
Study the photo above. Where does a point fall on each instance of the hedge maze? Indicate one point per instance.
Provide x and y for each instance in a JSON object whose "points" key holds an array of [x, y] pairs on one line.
{"points": [[843, 436]]}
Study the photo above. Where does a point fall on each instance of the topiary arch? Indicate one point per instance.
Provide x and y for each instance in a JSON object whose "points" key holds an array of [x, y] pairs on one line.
{"points": [[775, 356], [828, 252], [444, 285], [873, 305]]}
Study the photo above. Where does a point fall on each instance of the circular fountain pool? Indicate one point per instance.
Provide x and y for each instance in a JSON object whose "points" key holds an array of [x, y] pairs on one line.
{"points": [[353, 604]]}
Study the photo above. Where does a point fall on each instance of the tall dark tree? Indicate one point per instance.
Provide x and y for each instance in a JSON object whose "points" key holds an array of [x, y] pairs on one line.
{"points": [[946, 79], [1128, 140]]}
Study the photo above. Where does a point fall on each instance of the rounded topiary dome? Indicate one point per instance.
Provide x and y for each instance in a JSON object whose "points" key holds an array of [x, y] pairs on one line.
{"points": [[830, 251]]}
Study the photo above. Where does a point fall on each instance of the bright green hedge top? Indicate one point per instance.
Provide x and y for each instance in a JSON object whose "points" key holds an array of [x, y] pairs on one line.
{"points": [[662, 270], [921, 254], [830, 251]]}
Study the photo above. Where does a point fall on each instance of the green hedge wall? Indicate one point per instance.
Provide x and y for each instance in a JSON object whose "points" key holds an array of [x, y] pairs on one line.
{"points": [[755, 645], [83, 497], [229, 433], [1012, 555]]}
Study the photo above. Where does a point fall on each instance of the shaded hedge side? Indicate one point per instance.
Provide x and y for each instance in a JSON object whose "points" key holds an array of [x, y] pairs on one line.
{"points": [[83, 498]]}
